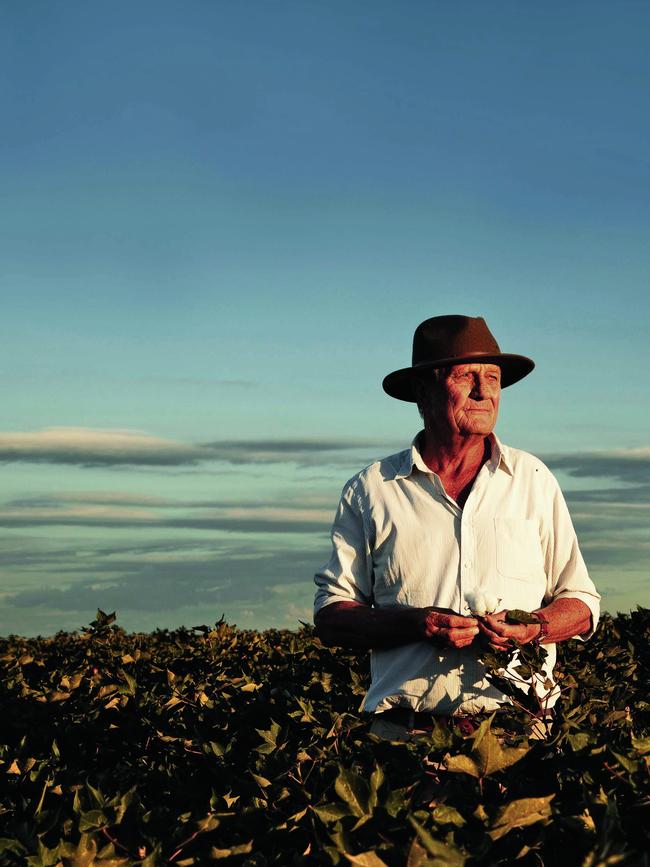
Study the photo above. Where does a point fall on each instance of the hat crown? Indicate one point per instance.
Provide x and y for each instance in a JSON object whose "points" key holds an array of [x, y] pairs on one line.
{"points": [[452, 337]]}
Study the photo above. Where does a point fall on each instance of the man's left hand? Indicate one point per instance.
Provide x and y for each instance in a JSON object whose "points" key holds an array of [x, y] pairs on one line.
{"points": [[500, 635]]}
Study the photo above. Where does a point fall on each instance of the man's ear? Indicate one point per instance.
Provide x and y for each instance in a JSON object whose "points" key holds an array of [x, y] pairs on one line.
{"points": [[422, 386], [420, 394]]}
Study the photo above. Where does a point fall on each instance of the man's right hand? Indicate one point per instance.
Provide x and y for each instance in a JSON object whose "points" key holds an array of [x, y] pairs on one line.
{"points": [[448, 629]]}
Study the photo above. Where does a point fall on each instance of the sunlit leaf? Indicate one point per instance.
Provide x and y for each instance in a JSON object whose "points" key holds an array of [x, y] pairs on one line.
{"points": [[331, 812], [352, 790], [440, 852], [519, 814], [366, 859], [241, 849]]}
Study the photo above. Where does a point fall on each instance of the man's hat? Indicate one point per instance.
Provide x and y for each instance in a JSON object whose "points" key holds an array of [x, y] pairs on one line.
{"points": [[446, 340]]}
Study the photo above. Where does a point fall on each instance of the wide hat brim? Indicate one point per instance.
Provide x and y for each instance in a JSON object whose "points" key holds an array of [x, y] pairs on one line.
{"points": [[400, 383]]}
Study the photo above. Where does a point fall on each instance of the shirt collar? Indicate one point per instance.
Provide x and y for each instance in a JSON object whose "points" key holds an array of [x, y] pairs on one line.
{"points": [[411, 459], [500, 456]]}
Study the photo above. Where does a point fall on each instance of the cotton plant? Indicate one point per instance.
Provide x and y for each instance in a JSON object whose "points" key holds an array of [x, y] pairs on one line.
{"points": [[519, 671]]}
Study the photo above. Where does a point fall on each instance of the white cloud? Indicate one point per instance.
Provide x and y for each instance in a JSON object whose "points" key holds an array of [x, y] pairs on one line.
{"points": [[627, 465], [114, 448], [89, 447]]}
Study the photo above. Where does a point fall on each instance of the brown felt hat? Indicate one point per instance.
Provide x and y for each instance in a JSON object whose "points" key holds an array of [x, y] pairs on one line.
{"points": [[446, 340]]}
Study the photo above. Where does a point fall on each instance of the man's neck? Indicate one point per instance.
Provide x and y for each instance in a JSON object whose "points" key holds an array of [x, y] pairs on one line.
{"points": [[456, 456]]}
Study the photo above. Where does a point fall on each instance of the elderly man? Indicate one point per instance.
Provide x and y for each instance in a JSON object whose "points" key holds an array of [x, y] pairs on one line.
{"points": [[457, 512]]}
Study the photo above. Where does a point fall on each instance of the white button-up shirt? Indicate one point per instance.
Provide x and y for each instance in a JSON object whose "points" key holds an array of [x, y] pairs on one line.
{"points": [[400, 539]]}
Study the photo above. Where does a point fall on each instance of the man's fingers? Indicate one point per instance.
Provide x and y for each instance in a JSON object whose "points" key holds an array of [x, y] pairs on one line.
{"points": [[490, 634], [499, 630], [496, 623], [437, 625], [453, 637], [454, 621]]}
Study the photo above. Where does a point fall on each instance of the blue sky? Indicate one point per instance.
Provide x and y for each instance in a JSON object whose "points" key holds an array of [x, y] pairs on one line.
{"points": [[221, 224]]}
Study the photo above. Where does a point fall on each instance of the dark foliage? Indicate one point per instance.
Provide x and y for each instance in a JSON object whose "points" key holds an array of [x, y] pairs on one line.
{"points": [[215, 743]]}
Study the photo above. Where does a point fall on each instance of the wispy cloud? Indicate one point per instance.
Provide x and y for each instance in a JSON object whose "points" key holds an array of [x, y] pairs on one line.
{"points": [[123, 511], [301, 451], [624, 465], [167, 583], [114, 448], [124, 498], [206, 381], [631, 497], [96, 448], [612, 521]]}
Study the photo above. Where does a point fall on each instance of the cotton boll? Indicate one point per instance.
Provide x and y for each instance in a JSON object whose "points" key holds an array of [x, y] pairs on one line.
{"points": [[480, 608], [470, 599], [491, 602], [476, 601]]}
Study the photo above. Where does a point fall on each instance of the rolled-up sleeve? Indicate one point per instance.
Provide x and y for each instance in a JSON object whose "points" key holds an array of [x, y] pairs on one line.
{"points": [[347, 576], [565, 567]]}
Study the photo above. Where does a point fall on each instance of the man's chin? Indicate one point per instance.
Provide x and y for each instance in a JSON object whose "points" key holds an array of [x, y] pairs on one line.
{"points": [[478, 429]]}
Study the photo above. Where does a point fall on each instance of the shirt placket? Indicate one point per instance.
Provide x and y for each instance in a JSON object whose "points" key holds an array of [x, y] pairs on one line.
{"points": [[465, 542], [467, 556]]}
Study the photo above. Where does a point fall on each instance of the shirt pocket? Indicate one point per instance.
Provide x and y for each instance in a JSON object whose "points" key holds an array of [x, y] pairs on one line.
{"points": [[518, 549]]}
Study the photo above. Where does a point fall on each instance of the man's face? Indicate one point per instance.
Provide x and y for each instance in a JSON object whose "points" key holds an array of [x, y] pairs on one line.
{"points": [[465, 400]]}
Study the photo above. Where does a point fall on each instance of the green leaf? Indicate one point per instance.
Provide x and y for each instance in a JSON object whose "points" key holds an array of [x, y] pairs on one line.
{"points": [[261, 781], [9, 845], [92, 819], [396, 801], [242, 849], [153, 859], [517, 615], [519, 814], [641, 745], [487, 756], [492, 757], [417, 855], [376, 781], [443, 854], [269, 738], [462, 764], [445, 814], [208, 823], [131, 683], [331, 812], [353, 790], [578, 741], [97, 796], [630, 765], [122, 805], [83, 855], [366, 859]]}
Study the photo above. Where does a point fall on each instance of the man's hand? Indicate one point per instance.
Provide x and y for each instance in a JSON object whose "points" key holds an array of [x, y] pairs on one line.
{"points": [[353, 625], [500, 635], [565, 618], [448, 629]]}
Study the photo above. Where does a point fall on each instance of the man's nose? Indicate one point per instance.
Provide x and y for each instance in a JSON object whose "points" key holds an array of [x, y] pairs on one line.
{"points": [[479, 388]]}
